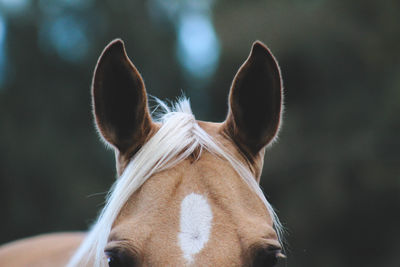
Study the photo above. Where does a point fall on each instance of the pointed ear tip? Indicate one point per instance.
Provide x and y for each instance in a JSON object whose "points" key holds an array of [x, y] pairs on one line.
{"points": [[117, 41], [260, 50], [259, 45], [115, 46]]}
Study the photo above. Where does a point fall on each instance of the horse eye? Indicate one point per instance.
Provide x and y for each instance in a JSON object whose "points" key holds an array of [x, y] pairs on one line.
{"points": [[266, 257], [116, 258], [112, 261]]}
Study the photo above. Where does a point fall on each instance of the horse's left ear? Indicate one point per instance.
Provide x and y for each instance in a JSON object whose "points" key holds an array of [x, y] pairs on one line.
{"points": [[255, 101]]}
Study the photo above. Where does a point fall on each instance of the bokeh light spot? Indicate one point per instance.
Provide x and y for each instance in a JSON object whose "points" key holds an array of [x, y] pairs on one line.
{"points": [[14, 6], [67, 37], [2, 51], [198, 46]]}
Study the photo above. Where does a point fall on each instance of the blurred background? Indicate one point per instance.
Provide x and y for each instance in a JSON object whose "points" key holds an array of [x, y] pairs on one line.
{"points": [[334, 176]]}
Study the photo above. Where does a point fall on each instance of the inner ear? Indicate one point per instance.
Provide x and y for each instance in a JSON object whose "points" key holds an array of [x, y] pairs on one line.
{"points": [[255, 101], [119, 100]]}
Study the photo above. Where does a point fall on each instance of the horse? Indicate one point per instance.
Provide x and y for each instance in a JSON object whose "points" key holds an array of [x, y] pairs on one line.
{"points": [[187, 192]]}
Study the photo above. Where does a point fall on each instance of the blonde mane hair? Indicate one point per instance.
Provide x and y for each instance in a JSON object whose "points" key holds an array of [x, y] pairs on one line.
{"points": [[178, 138]]}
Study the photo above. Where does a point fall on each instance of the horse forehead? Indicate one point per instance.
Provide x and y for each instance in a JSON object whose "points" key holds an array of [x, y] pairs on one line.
{"points": [[210, 186], [164, 209]]}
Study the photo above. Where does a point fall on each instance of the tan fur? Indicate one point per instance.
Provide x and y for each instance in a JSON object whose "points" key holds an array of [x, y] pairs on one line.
{"points": [[149, 223], [41, 251]]}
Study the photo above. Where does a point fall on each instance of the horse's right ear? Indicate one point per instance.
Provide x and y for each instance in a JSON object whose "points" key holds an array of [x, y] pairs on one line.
{"points": [[119, 100]]}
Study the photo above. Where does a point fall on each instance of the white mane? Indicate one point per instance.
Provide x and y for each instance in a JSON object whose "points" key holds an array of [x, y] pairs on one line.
{"points": [[178, 137]]}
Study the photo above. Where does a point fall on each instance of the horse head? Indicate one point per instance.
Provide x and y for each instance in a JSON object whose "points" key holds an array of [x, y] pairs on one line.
{"points": [[187, 192]]}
